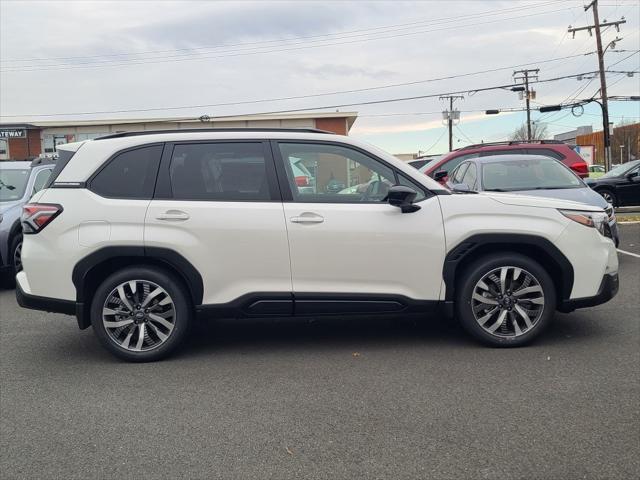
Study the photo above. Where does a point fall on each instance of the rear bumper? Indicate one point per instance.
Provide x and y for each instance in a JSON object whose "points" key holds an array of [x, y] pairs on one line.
{"points": [[608, 289], [52, 305]]}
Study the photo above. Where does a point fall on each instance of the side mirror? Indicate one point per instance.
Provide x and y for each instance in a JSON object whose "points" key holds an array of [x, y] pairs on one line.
{"points": [[403, 197], [633, 176], [461, 188], [440, 175]]}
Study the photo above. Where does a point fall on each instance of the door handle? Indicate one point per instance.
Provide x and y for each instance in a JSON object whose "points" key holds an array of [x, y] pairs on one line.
{"points": [[173, 215], [308, 218]]}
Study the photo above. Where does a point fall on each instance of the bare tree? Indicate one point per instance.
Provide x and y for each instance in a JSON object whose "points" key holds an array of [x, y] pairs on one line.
{"points": [[538, 132]]}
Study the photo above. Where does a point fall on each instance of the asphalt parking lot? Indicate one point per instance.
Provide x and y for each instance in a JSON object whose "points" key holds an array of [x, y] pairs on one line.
{"points": [[390, 398]]}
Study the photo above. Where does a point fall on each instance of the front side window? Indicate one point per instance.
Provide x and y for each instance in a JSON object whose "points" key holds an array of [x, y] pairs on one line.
{"points": [[334, 174], [131, 174], [220, 172]]}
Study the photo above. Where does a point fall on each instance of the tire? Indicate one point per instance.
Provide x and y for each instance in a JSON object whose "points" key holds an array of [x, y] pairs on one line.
{"points": [[505, 314], [15, 253], [162, 318], [609, 196]]}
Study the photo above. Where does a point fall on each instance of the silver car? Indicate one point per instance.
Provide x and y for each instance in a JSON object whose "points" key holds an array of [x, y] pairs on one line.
{"points": [[534, 175], [18, 182]]}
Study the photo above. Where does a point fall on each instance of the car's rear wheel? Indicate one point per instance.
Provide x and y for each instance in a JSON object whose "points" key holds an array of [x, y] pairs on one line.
{"points": [[141, 314], [505, 299], [609, 196]]}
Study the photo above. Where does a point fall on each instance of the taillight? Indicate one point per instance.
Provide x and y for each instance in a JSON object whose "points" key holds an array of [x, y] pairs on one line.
{"points": [[580, 167], [302, 181], [36, 216]]}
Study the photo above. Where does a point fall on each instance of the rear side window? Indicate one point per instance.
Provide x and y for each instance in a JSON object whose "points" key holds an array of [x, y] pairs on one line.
{"points": [[547, 152], [219, 172], [510, 151], [41, 178], [130, 174]]}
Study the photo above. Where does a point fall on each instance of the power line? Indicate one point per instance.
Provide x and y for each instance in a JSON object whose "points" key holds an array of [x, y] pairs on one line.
{"points": [[277, 99], [62, 66], [371, 102]]}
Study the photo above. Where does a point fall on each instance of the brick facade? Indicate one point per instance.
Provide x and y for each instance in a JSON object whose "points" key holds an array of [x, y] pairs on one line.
{"points": [[23, 148]]}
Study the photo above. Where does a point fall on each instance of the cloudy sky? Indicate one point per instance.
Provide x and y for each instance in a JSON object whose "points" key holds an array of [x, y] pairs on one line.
{"points": [[139, 59]]}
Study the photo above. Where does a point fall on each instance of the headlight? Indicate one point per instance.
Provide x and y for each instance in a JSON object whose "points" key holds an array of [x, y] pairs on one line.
{"points": [[597, 220]]}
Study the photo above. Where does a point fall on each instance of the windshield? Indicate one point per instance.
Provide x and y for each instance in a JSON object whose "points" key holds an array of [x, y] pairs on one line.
{"points": [[12, 184], [618, 170], [528, 174]]}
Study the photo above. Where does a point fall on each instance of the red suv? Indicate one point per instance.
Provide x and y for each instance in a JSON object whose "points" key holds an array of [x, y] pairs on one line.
{"points": [[439, 168]]}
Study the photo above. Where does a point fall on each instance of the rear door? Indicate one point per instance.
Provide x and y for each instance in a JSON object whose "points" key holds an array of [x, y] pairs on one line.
{"points": [[217, 204], [346, 242]]}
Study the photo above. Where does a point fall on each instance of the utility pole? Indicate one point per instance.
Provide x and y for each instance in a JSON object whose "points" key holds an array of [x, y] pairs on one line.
{"points": [[524, 76], [603, 82], [450, 115]]}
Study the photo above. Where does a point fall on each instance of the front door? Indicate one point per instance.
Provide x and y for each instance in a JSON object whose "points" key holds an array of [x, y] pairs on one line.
{"points": [[346, 242]]}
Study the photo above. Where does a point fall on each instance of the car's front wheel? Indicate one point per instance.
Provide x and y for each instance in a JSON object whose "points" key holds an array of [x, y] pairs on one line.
{"points": [[609, 196], [141, 314], [505, 299]]}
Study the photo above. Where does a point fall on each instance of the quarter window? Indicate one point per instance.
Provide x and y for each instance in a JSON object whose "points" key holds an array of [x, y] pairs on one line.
{"points": [[219, 171], [131, 174], [325, 173]]}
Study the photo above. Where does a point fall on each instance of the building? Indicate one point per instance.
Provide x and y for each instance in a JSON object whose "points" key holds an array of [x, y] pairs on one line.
{"points": [[625, 143], [570, 137], [19, 141]]}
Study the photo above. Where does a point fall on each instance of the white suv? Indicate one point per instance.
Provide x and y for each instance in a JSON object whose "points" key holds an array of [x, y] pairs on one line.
{"points": [[139, 234]]}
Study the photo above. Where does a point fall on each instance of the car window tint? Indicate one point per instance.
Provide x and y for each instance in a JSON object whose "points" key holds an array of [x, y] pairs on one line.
{"points": [[41, 178], [219, 171], [326, 173], [470, 176], [511, 151], [547, 152], [131, 174]]}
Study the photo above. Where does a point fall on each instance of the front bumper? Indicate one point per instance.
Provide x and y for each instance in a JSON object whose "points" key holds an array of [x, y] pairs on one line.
{"points": [[608, 289]]}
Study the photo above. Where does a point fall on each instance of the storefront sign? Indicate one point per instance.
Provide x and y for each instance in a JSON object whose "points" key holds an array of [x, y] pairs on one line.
{"points": [[13, 133]]}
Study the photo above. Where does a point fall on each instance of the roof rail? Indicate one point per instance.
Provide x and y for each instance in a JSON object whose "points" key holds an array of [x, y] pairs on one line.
{"points": [[512, 142], [43, 161], [201, 130]]}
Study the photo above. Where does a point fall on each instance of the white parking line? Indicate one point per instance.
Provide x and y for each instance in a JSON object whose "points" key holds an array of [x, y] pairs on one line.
{"points": [[629, 253]]}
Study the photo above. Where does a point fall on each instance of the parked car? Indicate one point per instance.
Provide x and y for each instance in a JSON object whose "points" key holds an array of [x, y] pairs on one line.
{"points": [[620, 186], [596, 171], [548, 148], [529, 175], [19, 180], [140, 250]]}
